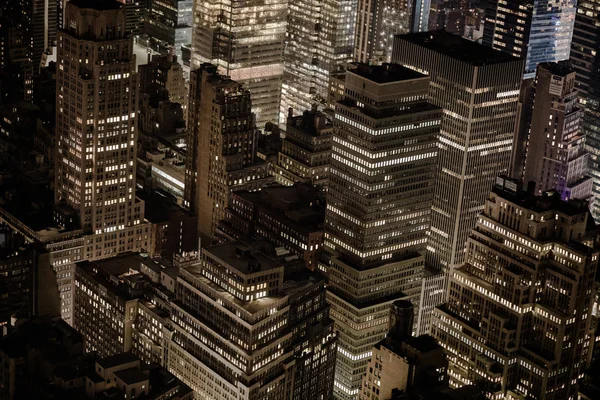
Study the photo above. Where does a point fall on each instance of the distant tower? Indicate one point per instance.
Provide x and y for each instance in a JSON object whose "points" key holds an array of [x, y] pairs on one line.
{"points": [[245, 39], [585, 56], [319, 41], [533, 30], [377, 22]]}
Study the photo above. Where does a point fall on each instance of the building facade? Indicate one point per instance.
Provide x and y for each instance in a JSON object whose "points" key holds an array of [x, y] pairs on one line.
{"points": [[305, 150], [377, 21], [378, 207], [556, 158], [319, 40], [585, 57], [535, 30], [96, 119], [247, 328], [222, 138], [245, 40], [289, 218], [518, 318], [169, 23], [167, 72], [478, 89]]}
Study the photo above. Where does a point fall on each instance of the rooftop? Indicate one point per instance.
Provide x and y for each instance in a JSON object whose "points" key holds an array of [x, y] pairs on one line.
{"points": [[386, 73], [457, 47], [561, 68], [512, 191], [100, 5], [118, 359], [131, 376], [244, 258], [120, 264]]}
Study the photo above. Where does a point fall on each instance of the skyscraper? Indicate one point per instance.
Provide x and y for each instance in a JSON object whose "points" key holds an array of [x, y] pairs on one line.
{"points": [[536, 30], [377, 21], [96, 120], [585, 56], [245, 40], [556, 158], [378, 207], [222, 146], [420, 15], [319, 40], [517, 321], [478, 89]]}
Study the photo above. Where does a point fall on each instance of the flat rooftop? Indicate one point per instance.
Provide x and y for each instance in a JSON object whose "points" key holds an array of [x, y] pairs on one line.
{"points": [[290, 287], [100, 5], [457, 47], [118, 359], [240, 256], [131, 376], [120, 264], [385, 73]]}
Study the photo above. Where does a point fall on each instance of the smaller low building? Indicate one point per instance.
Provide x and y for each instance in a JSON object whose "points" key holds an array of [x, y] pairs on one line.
{"points": [[290, 218]]}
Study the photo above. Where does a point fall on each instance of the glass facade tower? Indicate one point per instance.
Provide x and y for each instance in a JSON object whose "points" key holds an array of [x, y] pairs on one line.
{"points": [[536, 30]]}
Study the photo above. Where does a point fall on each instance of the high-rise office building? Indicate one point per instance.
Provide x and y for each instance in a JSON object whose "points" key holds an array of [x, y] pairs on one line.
{"points": [[518, 318], [535, 30], [96, 140], [245, 40], [222, 146], [169, 23], [420, 15], [478, 89], [96, 118], [377, 21], [319, 41], [378, 207], [556, 158], [248, 327], [585, 57]]}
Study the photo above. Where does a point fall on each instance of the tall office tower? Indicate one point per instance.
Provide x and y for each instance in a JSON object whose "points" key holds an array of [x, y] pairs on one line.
{"points": [[248, 327], [377, 21], [135, 15], [378, 207], [478, 88], [556, 158], [319, 41], [517, 321], [96, 119], [222, 142], [585, 56], [170, 22], [420, 15], [245, 40], [448, 15], [535, 30], [305, 150]]}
